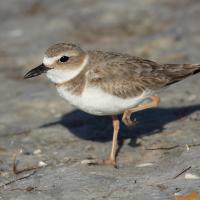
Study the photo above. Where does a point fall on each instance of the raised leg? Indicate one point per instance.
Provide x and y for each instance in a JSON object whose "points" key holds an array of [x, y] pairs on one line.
{"points": [[127, 114]]}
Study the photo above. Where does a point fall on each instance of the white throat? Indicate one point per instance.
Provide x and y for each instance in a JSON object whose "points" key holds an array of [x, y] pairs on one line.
{"points": [[60, 76]]}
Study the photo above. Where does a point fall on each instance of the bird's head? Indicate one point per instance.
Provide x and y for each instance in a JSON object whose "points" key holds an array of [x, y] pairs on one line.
{"points": [[61, 63]]}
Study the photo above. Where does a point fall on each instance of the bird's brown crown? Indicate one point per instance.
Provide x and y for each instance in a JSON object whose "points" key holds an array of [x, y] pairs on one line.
{"points": [[64, 55], [61, 48]]}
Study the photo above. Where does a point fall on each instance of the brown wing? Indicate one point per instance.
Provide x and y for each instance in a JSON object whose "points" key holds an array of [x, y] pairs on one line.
{"points": [[127, 76]]}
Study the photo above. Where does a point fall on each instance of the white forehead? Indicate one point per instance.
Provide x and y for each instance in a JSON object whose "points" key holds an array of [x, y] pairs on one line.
{"points": [[50, 60]]}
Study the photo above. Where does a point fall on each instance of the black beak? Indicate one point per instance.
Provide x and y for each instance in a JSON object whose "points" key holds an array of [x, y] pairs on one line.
{"points": [[36, 71]]}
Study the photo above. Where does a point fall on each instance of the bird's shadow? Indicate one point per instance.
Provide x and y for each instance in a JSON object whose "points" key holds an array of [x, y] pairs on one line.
{"points": [[99, 129]]}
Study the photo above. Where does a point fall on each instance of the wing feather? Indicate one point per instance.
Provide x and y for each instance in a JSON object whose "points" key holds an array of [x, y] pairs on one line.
{"points": [[126, 76]]}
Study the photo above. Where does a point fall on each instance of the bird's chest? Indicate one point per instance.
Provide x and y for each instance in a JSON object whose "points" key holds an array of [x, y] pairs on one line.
{"points": [[95, 101]]}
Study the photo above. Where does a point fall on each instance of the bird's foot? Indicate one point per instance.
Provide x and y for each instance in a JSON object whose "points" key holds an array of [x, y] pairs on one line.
{"points": [[128, 121], [108, 161]]}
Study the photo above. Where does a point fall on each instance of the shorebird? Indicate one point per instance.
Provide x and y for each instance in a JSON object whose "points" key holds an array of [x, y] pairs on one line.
{"points": [[107, 83]]}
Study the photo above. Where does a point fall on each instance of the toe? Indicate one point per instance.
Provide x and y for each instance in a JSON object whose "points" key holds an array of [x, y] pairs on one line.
{"points": [[110, 162], [99, 162], [128, 122]]}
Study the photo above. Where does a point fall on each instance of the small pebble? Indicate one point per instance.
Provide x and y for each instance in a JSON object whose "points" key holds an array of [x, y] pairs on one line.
{"points": [[191, 176], [42, 164], [88, 162], [37, 151], [144, 165], [187, 147]]}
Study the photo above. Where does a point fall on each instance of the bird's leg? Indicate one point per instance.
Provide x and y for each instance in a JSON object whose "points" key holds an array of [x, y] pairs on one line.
{"points": [[112, 158], [127, 114]]}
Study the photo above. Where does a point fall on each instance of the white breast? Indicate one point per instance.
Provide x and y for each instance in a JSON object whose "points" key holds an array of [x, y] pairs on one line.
{"points": [[95, 101]]}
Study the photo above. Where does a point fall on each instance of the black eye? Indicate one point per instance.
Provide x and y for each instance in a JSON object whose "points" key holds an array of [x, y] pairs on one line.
{"points": [[64, 59]]}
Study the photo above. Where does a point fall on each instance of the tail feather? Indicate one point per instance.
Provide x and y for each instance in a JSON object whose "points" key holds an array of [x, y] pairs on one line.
{"points": [[197, 70], [177, 72]]}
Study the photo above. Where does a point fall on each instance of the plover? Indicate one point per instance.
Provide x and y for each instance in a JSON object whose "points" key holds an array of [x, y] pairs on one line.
{"points": [[107, 83]]}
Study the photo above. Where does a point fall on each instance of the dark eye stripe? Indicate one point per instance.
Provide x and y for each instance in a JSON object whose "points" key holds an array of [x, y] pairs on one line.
{"points": [[64, 59]]}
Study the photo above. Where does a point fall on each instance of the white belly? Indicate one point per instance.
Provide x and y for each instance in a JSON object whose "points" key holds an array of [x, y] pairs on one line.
{"points": [[95, 101]]}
